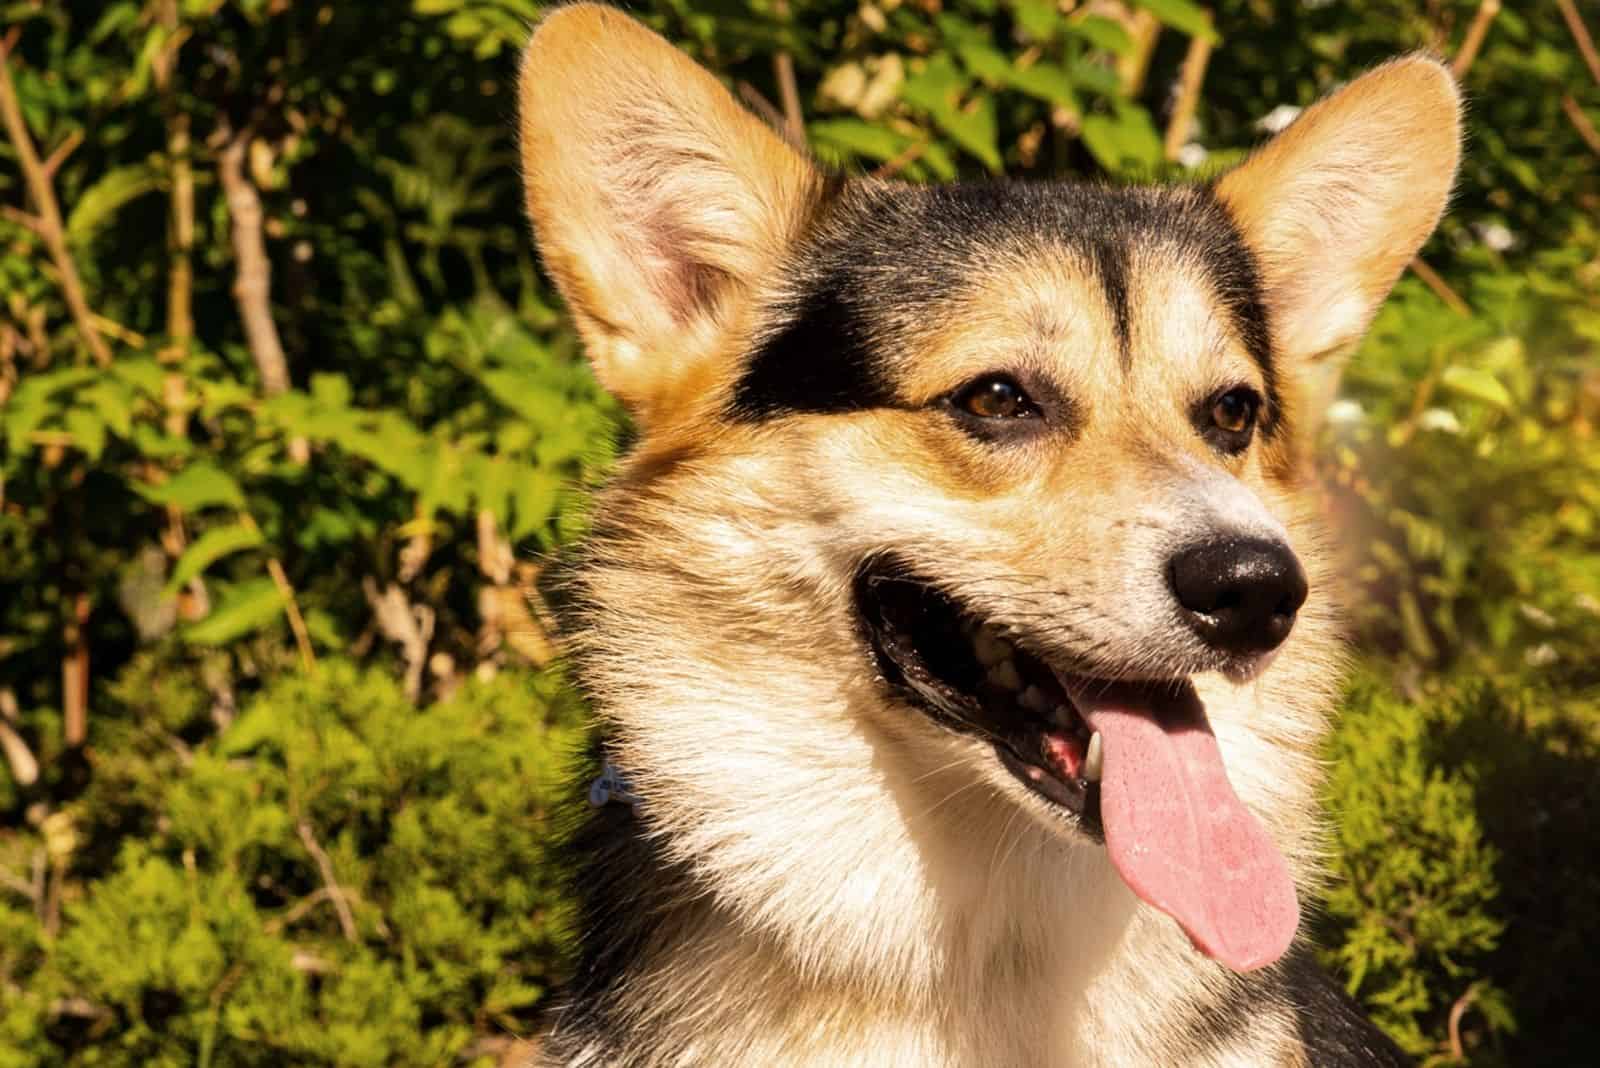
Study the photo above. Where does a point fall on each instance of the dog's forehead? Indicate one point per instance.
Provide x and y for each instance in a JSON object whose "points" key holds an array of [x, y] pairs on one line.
{"points": [[894, 274]]}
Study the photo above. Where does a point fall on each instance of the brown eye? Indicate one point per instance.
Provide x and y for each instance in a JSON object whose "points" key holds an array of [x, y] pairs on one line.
{"points": [[994, 397], [1235, 411]]}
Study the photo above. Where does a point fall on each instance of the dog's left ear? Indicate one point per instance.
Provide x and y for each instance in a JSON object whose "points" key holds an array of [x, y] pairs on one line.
{"points": [[1337, 205], [657, 200]]}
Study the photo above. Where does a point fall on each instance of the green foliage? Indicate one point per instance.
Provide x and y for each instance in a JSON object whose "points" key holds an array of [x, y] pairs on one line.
{"points": [[1472, 461], [211, 932], [187, 540], [1417, 888]]}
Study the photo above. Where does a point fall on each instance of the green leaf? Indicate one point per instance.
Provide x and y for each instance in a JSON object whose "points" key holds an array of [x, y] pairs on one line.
{"points": [[88, 431], [937, 89], [210, 547], [1477, 385], [1038, 19], [199, 485], [246, 609], [1047, 82], [985, 61], [96, 205], [1103, 33], [856, 137], [1124, 141], [1182, 15]]}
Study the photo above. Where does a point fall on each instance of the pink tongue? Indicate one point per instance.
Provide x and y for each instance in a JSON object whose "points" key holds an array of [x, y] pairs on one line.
{"points": [[1177, 833]]}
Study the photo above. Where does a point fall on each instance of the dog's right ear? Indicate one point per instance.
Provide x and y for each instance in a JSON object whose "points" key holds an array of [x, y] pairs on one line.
{"points": [[657, 200]]}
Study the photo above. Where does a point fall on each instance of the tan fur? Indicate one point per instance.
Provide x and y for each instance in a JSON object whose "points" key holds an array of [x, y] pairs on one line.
{"points": [[668, 200], [880, 892], [1338, 204]]}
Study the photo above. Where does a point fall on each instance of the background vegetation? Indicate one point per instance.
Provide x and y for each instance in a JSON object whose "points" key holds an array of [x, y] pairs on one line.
{"points": [[288, 421]]}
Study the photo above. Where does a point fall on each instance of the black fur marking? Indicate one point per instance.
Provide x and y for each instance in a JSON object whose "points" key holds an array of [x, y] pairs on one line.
{"points": [[1331, 1027], [1335, 1031], [881, 260], [1237, 277], [626, 892], [819, 362], [1111, 264]]}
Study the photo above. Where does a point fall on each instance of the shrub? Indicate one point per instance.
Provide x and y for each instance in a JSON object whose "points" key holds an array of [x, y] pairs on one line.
{"points": [[337, 879]]}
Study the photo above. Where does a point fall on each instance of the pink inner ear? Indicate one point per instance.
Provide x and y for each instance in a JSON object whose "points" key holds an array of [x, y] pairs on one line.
{"points": [[687, 288]]}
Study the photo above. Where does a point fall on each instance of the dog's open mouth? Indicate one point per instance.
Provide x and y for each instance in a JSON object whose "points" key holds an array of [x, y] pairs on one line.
{"points": [[969, 676], [1136, 763]]}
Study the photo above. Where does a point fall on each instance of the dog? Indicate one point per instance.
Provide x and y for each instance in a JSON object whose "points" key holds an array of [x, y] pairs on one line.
{"points": [[959, 625]]}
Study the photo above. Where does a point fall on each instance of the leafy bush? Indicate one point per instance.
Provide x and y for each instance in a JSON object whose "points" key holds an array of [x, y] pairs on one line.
{"points": [[338, 878], [286, 389]]}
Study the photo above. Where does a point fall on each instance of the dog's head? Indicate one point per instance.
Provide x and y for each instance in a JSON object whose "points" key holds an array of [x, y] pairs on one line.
{"points": [[936, 484]]}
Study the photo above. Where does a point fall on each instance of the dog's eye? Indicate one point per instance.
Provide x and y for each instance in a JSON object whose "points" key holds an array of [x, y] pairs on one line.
{"points": [[1231, 418], [994, 397], [1234, 411]]}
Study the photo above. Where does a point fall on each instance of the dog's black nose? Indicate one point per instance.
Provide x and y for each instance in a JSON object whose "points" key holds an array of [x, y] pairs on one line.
{"points": [[1239, 594]]}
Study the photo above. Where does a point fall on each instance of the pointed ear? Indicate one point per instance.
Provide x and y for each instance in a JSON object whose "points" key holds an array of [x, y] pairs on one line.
{"points": [[1337, 205], [656, 199]]}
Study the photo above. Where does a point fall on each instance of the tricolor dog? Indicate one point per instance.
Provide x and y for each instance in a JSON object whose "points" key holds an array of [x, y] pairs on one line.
{"points": [[960, 622]]}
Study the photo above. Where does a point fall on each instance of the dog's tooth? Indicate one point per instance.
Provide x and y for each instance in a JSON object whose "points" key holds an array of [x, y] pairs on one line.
{"points": [[1095, 759], [1063, 716], [989, 646], [1004, 675]]}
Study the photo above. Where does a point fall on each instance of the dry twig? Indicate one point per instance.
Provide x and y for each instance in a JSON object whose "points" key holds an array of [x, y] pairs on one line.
{"points": [[1581, 123], [794, 120], [297, 622], [1194, 74], [1457, 1011], [24, 765], [410, 627], [75, 673], [901, 160], [1440, 287], [46, 222], [252, 288], [1476, 32], [1580, 34], [347, 919]]}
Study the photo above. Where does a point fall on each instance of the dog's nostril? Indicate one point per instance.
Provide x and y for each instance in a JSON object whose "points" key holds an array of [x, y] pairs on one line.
{"points": [[1239, 594]]}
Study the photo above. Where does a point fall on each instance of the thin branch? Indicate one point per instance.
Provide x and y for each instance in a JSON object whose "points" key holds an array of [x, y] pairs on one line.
{"points": [[1580, 33], [252, 288], [291, 603], [180, 282], [1457, 1011], [59, 154], [22, 218], [1581, 123], [794, 120], [180, 232], [75, 673], [298, 911], [901, 160], [24, 765], [50, 228], [409, 626], [347, 920], [297, 623], [1134, 65], [1476, 32], [1440, 287], [1194, 74]]}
